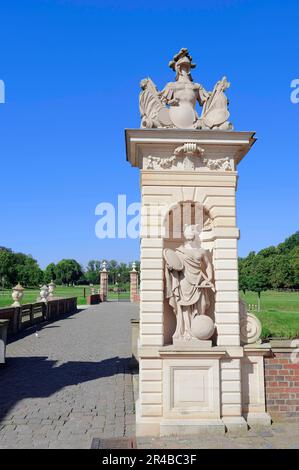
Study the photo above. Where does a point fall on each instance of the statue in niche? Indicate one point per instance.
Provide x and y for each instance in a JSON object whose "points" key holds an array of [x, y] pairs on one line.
{"points": [[174, 107], [190, 288]]}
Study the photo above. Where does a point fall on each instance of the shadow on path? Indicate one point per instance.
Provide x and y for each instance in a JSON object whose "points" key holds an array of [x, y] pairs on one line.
{"points": [[43, 324], [38, 377]]}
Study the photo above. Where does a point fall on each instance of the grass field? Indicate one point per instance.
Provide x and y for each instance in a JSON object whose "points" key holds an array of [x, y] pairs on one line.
{"points": [[279, 312]]}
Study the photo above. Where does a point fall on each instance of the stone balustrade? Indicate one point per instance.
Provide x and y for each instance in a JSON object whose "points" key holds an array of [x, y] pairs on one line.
{"points": [[3, 336], [30, 314]]}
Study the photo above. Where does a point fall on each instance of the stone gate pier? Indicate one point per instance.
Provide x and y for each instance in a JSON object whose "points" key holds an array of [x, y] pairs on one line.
{"points": [[201, 366]]}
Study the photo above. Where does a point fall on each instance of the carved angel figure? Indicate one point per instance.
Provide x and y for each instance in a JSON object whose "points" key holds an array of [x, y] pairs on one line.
{"points": [[174, 107]]}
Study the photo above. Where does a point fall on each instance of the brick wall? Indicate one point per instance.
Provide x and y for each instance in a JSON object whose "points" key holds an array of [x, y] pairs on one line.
{"points": [[136, 298], [282, 386]]}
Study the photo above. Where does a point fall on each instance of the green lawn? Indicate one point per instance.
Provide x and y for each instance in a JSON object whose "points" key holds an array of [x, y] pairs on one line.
{"points": [[30, 295], [279, 313]]}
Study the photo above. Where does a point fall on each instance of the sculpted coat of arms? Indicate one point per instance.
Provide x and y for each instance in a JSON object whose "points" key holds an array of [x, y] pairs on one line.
{"points": [[174, 107]]}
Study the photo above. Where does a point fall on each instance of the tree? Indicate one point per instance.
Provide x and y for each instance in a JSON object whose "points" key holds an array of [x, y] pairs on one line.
{"points": [[245, 266], [258, 277], [123, 273], [266, 252], [282, 272], [50, 273], [112, 267], [8, 272], [68, 271], [243, 276], [279, 264], [29, 273], [289, 244], [294, 260], [92, 274]]}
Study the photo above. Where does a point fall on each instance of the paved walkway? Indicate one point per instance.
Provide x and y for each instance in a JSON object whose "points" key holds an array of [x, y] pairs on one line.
{"points": [[71, 382], [278, 436]]}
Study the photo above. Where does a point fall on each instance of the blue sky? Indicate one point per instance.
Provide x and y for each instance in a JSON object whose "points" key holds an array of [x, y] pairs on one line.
{"points": [[72, 72]]}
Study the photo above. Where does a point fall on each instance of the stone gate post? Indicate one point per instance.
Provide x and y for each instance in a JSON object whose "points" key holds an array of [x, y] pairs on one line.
{"points": [[133, 283], [200, 364], [104, 282]]}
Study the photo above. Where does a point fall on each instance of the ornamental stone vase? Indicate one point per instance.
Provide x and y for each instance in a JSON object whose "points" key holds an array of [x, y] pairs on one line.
{"points": [[17, 294]]}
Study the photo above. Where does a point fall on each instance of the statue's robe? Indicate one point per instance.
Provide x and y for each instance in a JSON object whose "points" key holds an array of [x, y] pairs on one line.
{"points": [[182, 287]]}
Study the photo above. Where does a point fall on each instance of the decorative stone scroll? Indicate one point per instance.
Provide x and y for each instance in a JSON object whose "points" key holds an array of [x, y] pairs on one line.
{"points": [[250, 326], [189, 149]]}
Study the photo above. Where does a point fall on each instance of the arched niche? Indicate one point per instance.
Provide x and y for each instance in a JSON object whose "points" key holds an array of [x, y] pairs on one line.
{"points": [[180, 214]]}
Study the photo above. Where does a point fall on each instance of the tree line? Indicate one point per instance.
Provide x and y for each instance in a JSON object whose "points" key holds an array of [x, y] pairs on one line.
{"points": [[22, 268], [275, 267]]}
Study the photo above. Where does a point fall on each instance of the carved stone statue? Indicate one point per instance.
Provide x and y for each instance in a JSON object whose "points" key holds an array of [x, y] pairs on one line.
{"points": [[174, 107], [190, 288]]}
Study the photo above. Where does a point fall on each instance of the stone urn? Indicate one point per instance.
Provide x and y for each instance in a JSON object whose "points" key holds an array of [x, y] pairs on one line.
{"points": [[44, 293], [17, 294], [51, 288], [133, 267]]}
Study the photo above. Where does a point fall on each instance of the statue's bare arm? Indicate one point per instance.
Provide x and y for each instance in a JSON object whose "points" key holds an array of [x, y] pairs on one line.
{"points": [[202, 95], [209, 267], [167, 96]]}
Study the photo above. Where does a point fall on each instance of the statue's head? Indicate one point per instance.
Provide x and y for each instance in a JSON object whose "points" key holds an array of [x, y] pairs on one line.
{"points": [[192, 232], [143, 83], [182, 63]]}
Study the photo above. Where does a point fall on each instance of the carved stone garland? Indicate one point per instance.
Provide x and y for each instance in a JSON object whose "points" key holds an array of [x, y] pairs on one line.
{"points": [[188, 157]]}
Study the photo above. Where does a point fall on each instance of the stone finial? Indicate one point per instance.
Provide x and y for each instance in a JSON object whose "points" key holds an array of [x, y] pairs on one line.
{"points": [[44, 293], [51, 288], [92, 289], [133, 267], [104, 266], [17, 294]]}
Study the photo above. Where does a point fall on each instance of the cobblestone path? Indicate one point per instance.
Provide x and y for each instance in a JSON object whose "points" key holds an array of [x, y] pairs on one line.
{"points": [[70, 382]]}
